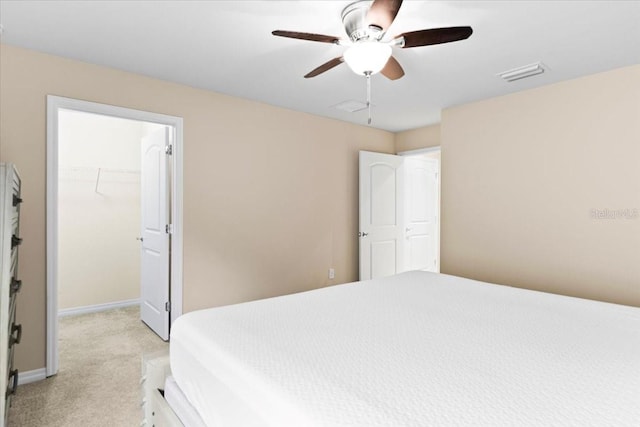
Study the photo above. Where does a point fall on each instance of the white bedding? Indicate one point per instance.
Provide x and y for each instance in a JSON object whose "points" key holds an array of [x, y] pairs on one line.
{"points": [[417, 349]]}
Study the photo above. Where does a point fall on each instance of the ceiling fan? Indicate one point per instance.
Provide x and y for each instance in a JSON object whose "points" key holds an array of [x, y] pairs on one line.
{"points": [[366, 23]]}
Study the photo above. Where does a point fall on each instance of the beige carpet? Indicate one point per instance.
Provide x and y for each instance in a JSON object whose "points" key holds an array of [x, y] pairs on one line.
{"points": [[98, 380]]}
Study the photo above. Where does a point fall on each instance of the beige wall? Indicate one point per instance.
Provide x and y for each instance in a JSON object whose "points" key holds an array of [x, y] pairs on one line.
{"points": [[270, 195], [521, 176], [428, 136], [98, 219]]}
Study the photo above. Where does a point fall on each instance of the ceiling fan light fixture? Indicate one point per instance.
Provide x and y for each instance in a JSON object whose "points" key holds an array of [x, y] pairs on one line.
{"points": [[367, 57]]}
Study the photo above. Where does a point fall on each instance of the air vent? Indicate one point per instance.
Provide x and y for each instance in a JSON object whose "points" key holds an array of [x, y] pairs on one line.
{"points": [[523, 72], [351, 106]]}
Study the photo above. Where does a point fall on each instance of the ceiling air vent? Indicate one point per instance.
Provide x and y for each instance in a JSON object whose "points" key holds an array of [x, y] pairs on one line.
{"points": [[522, 72], [351, 106]]}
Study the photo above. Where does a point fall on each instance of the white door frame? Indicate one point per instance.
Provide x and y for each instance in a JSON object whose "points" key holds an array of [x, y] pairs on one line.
{"points": [[54, 104], [419, 151]]}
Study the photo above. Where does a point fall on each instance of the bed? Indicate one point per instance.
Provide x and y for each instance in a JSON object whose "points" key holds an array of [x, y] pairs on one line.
{"points": [[415, 349]]}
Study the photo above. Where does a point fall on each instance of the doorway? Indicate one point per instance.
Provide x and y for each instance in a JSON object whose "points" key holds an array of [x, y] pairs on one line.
{"points": [[98, 211], [110, 175], [399, 213]]}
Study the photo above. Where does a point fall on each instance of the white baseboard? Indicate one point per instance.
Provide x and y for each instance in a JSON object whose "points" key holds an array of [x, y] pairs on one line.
{"points": [[96, 308], [32, 376]]}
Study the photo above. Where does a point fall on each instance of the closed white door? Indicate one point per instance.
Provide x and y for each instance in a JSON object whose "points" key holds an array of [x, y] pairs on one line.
{"points": [[421, 228], [381, 232], [154, 266]]}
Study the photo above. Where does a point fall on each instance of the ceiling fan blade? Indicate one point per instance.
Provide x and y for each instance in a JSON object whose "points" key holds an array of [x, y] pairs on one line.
{"points": [[382, 13], [435, 36], [392, 70], [306, 36], [325, 67]]}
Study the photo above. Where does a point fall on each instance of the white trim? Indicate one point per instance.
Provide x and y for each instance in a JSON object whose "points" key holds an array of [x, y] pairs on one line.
{"points": [[419, 151], [52, 236], [32, 376], [55, 103], [175, 291], [65, 312]]}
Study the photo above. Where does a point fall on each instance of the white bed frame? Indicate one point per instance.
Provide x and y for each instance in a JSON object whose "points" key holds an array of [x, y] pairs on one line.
{"points": [[156, 410]]}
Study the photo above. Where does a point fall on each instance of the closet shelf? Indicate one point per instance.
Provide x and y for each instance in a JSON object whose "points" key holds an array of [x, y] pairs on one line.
{"points": [[97, 174]]}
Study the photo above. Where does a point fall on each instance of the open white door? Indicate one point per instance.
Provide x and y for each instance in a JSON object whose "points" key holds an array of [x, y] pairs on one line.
{"points": [[421, 229], [381, 215], [154, 265]]}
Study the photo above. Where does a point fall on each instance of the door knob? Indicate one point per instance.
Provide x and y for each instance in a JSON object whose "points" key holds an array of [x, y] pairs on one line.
{"points": [[140, 238], [362, 234]]}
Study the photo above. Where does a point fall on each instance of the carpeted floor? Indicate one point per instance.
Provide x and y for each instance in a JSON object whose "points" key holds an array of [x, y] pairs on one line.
{"points": [[98, 380]]}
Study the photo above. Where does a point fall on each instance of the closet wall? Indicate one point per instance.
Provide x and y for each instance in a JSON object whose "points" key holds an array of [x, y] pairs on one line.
{"points": [[99, 209]]}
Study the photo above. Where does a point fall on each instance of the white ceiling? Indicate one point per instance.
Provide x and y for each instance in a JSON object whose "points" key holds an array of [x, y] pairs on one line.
{"points": [[227, 46]]}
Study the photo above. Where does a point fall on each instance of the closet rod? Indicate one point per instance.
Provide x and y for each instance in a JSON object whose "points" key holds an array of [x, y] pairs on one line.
{"points": [[106, 170]]}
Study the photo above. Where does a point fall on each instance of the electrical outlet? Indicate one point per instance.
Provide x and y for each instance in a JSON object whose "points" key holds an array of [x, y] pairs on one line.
{"points": [[332, 273]]}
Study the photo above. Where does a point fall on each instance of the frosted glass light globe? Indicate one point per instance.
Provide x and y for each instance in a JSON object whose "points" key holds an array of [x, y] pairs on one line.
{"points": [[367, 57]]}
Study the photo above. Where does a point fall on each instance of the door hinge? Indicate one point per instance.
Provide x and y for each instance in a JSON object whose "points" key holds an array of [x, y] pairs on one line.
{"points": [[168, 229], [168, 150], [167, 306]]}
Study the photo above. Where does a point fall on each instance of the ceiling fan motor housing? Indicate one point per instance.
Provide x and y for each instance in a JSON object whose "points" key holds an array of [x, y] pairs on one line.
{"points": [[354, 18]]}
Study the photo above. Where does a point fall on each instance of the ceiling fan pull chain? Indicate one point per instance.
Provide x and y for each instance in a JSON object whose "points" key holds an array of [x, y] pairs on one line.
{"points": [[368, 74]]}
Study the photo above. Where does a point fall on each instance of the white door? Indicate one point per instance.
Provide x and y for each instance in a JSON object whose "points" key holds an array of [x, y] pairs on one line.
{"points": [[154, 265], [421, 228], [381, 215]]}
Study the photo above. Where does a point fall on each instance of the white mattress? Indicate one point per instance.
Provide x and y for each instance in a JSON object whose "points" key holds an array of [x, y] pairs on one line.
{"points": [[415, 349]]}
